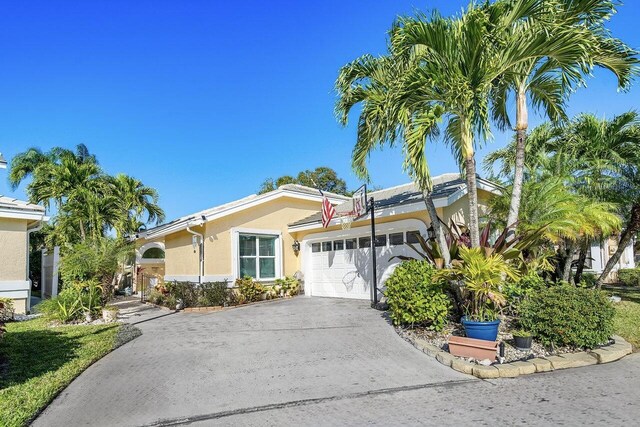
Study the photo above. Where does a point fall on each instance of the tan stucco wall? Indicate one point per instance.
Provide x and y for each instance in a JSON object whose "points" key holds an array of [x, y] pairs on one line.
{"points": [[13, 249], [182, 258]]}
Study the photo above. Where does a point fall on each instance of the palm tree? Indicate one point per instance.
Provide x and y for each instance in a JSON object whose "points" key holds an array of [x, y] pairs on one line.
{"points": [[375, 83], [134, 200], [547, 81], [597, 159], [460, 59]]}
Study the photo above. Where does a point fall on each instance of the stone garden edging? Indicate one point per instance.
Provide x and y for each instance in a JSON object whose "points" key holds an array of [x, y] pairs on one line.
{"points": [[606, 354]]}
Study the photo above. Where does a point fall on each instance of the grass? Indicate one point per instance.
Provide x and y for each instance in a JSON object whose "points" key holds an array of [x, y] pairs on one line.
{"points": [[627, 320], [38, 361]]}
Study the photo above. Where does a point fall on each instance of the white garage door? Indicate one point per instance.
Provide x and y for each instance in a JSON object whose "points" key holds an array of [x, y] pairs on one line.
{"points": [[338, 264]]}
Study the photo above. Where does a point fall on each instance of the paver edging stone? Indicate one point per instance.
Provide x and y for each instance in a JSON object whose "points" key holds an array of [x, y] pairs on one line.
{"points": [[607, 354]]}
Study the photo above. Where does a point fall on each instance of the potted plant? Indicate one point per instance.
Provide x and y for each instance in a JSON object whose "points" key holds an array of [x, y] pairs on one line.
{"points": [[523, 339], [109, 313], [481, 273]]}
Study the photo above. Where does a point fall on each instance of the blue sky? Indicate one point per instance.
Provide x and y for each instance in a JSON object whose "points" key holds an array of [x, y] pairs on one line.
{"points": [[205, 99]]}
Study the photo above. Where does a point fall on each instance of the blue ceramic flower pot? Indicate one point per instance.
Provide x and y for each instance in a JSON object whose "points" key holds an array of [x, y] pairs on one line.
{"points": [[481, 330]]}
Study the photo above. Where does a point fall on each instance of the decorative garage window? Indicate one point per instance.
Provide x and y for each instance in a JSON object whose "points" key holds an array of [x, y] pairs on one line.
{"points": [[351, 243], [316, 247], [338, 245], [396, 239], [412, 236], [258, 256], [381, 240], [364, 242], [326, 246]]}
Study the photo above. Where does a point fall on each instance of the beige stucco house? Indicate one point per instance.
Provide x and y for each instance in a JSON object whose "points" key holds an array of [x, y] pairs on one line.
{"points": [[280, 234], [17, 220]]}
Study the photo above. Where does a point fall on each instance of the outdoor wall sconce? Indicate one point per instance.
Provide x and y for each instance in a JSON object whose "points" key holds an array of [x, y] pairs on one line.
{"points": [[296, 246]]}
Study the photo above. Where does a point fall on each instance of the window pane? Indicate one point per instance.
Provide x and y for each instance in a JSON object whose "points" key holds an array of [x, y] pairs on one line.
{"points": [[248, 267], [364, 242], [326, 246], [412, 236], [315, 247], [381, 240], [247, 245], [267, 268], [350, 243], [267, 245], [396, 239], [338, 245]]}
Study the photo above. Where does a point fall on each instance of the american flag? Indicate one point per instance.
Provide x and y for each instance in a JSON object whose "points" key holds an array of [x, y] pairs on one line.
{"points": [[328, 211]]}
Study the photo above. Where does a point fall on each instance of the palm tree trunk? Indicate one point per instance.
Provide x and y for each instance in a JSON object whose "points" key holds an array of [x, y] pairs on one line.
{"points": [[472, 192], [437, 227], [522, 122], [582, 258], [568, 260], [472, 186], [83, 234], [633, 226]]}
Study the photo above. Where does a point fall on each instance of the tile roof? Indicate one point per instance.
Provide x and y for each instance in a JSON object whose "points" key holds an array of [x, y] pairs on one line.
{"points": [[443, 186], [19, 205]]}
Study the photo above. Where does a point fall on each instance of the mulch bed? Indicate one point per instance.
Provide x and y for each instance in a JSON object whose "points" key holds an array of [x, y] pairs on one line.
{"points": [[512, 354]]}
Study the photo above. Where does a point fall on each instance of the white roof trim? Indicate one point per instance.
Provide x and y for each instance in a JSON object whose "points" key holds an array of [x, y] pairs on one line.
{"points": [[237, 206]]}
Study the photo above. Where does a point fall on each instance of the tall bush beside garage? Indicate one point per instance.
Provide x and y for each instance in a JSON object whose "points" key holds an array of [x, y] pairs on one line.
{"points": [[414, 298]]}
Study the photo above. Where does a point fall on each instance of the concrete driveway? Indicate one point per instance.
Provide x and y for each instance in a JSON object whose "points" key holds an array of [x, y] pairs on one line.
{"points": [[203, 366]]}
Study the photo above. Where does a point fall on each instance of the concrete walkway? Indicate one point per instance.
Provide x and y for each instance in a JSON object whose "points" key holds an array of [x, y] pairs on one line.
{"points": [[187, 366]]}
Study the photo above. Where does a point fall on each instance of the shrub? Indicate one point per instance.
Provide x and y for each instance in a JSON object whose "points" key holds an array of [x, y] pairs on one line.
{"points": [[515, 291], [289, 286], [214, 293], [75, 301], [629, 276], [588, 280], [415, 298], [6, 309], [249, 290], [567, 315], [185, 291]]}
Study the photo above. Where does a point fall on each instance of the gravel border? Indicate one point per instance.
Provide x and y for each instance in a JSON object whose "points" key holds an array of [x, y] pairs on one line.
{"points": [[126, 333]]}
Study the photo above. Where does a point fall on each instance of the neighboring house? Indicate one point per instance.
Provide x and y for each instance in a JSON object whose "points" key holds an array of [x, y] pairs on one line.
{"points": [[599, 254], [257, 236], [17, 220]]}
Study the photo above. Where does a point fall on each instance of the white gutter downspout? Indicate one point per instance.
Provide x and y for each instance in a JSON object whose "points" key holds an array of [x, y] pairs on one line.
{"points": [[200, 246], [29, 231]]}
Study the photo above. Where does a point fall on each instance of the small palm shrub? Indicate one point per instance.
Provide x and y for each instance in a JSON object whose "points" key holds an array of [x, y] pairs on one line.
{"points": [[629, 276], [568, 315], [483, 273], [415, 298], [249, 290]]}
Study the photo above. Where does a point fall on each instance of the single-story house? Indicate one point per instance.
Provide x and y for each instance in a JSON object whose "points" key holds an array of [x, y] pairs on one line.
{"points": [[17, 220], [280, 233]]}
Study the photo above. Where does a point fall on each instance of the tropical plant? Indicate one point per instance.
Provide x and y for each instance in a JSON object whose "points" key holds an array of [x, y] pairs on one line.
{"points": [[289, 286], [546, 81], [375, 83], [249, 290], [481, 275], [415, 297], [629, 276], [459, 60], [97, 259], [88, 202]]}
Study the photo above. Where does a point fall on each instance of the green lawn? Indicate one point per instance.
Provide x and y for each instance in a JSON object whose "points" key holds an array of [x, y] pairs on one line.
{"points": [[37, 362], [627, 321]]}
